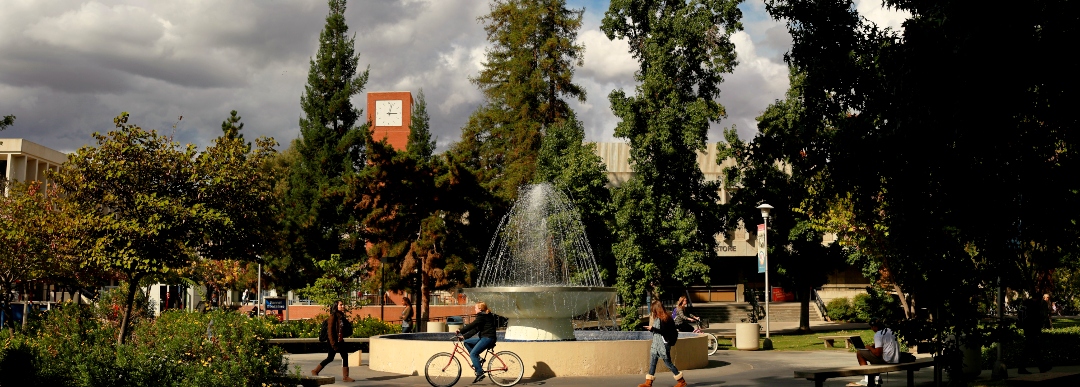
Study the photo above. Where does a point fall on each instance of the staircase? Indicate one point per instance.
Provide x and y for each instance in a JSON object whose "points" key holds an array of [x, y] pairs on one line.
{"points": [[732, 312]]}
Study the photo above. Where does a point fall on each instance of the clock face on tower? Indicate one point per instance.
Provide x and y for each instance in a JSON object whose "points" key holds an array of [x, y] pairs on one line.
{"points": [[388, 113]]}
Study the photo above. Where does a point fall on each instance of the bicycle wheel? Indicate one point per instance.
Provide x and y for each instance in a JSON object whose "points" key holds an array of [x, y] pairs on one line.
{"points": [[442, 370], [505, 368], [713, 345]]}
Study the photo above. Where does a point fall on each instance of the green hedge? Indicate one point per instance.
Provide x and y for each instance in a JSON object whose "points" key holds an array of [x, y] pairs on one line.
{"points": [[73, 346], [362, 327], [1060, 346]]}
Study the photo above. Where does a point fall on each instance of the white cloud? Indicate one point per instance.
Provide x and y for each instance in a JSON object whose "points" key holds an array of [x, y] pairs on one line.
{"points": [[884, 17]]}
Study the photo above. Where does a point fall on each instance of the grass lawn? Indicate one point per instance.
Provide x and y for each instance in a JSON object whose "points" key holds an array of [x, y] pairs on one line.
{"points": [[809, 341]]}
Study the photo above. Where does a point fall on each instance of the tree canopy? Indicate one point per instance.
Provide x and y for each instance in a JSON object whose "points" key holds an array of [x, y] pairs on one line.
{"points": [[667, 213], [526, 79], [939, 155], [316, 221]]}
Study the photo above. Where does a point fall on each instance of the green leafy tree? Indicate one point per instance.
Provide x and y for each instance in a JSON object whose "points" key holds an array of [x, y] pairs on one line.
{"points": [[232, 181], [526, 78], [135, 190], [409, 203], [6, 122], [771, 169], [954, 169], [573, 166], [316, 223], [27, 217], [667, 213], [339, 280]]}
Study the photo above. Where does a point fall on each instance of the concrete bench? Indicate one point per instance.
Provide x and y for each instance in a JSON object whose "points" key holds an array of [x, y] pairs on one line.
{"points": [[820, 375], [1057, 378], [830, 339]]}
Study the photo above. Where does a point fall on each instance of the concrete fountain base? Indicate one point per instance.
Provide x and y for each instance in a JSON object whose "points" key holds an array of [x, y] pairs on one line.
{"points": [[594, 353]]}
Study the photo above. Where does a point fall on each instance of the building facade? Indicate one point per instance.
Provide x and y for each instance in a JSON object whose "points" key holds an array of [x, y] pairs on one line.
{"points": [[22, 160]]}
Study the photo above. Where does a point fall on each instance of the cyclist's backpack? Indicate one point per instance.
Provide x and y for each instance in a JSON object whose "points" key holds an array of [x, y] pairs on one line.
{"points": [[322, 333]]}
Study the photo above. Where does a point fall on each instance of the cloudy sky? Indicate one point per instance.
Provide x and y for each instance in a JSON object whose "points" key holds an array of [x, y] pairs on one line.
{"points": [[68, 67]]}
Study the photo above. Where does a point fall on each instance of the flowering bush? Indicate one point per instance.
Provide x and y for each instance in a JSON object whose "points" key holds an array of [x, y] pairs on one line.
{"points": [[73, 347]]}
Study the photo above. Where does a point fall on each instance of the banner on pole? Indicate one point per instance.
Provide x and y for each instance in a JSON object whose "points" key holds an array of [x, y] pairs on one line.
{"points": [[761, 248]]}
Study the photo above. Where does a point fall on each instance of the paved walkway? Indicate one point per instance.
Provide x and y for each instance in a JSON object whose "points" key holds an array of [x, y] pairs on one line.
{"points": [[726, 368]]}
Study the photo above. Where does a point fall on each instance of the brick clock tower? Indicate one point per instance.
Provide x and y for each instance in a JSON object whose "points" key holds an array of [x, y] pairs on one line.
{"points": [[390, 113]]}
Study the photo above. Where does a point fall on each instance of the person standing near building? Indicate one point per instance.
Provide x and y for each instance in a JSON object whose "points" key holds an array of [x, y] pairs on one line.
{"points": [[406, 315]]}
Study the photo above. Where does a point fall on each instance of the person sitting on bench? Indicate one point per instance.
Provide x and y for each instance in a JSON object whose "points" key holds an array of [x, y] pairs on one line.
{"points": [[886, 350]]}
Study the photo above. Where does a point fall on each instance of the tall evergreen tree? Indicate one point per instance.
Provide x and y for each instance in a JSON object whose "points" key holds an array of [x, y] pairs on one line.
{"points": [[420, 142], [231, 127], [525, 80], [667, 213], [331, 146]]}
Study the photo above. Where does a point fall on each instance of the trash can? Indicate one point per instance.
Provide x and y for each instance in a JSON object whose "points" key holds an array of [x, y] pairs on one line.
{"points": [[454, 323], [436, 326], [747, 336]]}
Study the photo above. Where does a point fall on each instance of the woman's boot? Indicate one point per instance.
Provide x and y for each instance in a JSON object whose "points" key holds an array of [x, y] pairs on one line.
{"points": [[315, 372], [679, 381], [648, 381], [345, 375]]}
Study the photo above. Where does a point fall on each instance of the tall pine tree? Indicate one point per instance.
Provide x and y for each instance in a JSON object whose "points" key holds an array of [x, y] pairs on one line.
{"points": [[667, 213], [330, 147], [526, 78]]}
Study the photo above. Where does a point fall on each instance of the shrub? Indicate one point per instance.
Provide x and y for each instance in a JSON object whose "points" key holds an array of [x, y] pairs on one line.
{"points": [[1060, 346], [72, 347], [839, 309], [362, 327]]}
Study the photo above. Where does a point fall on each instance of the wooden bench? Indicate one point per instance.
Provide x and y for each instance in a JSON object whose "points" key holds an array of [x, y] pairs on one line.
{"points": [[820, 375], [830, 339]]}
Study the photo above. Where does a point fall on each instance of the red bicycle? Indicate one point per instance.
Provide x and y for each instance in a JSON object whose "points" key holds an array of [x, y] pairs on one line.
{"points": [[444, 369]]}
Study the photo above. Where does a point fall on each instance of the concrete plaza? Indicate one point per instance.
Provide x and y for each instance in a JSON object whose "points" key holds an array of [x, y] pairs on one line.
{"points": [[726, 368]]}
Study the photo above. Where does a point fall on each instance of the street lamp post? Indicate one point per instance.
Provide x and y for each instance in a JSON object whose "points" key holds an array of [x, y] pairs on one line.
{"points": [[768, 291]]}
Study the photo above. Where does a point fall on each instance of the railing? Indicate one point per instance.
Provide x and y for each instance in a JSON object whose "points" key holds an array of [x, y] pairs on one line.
{"points": [[820, 304], [757, 312]]}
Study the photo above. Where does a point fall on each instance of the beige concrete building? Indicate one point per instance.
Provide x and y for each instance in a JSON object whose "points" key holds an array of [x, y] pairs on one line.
{"points": [[22, 160], [737, 249]]}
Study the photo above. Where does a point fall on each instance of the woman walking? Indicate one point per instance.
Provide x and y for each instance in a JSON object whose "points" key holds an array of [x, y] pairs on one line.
{"points": [[334, 331], [484, 326], [664, 335]]}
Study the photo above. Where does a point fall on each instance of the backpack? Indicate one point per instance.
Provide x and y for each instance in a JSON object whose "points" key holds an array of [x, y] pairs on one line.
{"points": [[322, 333], [669, 332], [346, 328]]}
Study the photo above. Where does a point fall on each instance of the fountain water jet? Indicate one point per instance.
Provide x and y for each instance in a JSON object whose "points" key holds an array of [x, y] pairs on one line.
{"points": [[539, 270]]}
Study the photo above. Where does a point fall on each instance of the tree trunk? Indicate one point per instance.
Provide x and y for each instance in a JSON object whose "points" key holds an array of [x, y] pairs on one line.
{"points": [[908, 312], [804, 308], [129, 303]]}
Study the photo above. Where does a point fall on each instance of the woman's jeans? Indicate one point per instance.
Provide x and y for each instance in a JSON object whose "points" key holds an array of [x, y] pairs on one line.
{"points": [[476, 345], [670, 365]]}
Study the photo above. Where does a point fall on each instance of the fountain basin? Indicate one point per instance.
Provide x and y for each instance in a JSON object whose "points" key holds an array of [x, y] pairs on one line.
{"points": [[541, 312], [593, 353]]}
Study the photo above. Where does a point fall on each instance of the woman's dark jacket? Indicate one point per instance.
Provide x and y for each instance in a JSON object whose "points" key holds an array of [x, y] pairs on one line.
{"points": [[484, 324]]}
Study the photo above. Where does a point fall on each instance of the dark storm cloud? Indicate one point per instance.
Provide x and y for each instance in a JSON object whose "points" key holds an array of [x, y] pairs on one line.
{"points": [[67, 68]]}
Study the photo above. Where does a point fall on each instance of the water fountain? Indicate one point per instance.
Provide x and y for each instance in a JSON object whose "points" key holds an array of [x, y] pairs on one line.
{"points": [[539, 272]]}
